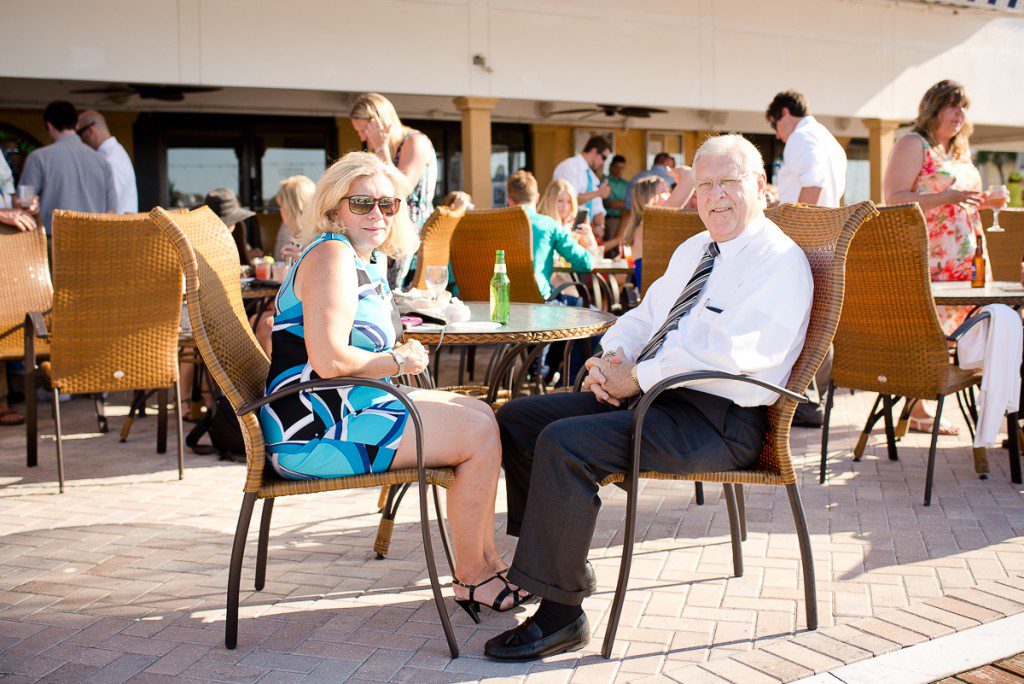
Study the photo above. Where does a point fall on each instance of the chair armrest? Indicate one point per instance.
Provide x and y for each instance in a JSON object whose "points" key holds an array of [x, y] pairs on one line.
{"points": [[582, 289], [686, 378], [967, 325], [327, 383], [35, 324]]}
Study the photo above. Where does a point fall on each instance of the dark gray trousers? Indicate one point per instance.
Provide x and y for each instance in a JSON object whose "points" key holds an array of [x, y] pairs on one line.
{"points": [[556, 448]]}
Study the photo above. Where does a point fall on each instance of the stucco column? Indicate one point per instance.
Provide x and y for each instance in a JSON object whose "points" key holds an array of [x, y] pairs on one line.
{"points": [[881, 135], [476, 147]]}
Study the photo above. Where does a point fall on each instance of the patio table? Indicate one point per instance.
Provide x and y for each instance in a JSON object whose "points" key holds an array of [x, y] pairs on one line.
{"points": [[531, 327], [960, 293]]}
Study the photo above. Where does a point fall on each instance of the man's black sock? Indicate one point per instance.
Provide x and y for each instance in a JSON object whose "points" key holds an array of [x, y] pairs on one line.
{"points": [[552, 616]]}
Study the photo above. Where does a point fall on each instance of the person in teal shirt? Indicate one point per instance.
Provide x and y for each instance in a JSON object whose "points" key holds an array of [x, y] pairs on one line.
{"points": [[549, 238]]}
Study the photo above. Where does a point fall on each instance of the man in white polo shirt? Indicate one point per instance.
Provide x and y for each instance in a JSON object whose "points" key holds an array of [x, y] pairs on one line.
{"points": [[584, 172], [92, 129], [813, 162]]}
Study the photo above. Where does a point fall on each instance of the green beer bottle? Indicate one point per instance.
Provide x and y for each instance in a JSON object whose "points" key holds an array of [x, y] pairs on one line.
{"points": [[500, 306]]}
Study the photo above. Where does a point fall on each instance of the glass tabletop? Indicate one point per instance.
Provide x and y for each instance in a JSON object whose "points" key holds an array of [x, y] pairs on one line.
{"points": [[960, 292], [527, 323]]}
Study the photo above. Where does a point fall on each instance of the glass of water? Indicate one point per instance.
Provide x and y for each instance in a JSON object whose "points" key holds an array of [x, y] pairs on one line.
{"points": [[437, 280]]}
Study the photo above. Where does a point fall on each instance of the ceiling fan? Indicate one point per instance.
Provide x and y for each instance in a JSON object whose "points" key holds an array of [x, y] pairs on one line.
{"points": [[164, 93], [614, 110]]}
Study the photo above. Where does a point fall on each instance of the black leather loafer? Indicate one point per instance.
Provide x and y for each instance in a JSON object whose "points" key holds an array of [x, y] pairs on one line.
{"points": [[527, 642], [591, 580]]}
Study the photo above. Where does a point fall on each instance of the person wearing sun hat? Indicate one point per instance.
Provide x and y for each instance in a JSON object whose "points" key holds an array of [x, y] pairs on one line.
{"points": [[226, 205]]}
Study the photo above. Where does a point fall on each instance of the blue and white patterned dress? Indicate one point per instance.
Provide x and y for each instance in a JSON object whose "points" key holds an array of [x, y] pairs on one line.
{"points": [[350, 430]]}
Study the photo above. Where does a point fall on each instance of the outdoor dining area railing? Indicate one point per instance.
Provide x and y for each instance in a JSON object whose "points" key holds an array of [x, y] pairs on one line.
{"points": [[109, 322]]}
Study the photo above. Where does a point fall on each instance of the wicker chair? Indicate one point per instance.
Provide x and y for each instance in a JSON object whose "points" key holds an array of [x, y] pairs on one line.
{"points": [[824, 235], [1005, 249], [114, 326], [889, 339], [478, 236], [664, 231], [25, 275], [435, 242], [239, 366]]}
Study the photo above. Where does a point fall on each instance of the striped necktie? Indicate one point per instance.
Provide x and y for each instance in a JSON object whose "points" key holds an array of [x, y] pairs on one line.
{"points": [[685, 302]]}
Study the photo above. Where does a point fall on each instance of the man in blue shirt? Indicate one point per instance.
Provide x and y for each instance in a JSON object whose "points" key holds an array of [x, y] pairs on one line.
{"points": [[549, 238]]}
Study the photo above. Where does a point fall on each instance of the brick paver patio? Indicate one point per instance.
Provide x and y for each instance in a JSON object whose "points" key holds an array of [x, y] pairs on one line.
{"points": [[123, 577]]}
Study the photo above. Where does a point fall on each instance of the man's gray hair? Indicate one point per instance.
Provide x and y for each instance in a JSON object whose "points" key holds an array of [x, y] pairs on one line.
{"points": [[732, 145]]}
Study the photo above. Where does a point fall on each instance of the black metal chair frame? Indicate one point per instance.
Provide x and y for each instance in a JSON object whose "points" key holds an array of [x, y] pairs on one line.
{"points": [[733, 498], [249, 501]]}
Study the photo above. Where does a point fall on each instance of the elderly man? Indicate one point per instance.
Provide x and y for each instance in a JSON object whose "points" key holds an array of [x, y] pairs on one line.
{"points": [[93, 130], [736, 299]]}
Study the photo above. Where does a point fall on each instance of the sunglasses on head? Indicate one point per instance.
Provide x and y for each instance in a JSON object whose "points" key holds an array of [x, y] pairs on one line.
{"points": [[84, 128], [364, 204]]}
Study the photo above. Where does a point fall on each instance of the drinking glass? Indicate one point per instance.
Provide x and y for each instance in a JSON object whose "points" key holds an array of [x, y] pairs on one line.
{"points": [[26, 195], [437, 280], [997, 192]]}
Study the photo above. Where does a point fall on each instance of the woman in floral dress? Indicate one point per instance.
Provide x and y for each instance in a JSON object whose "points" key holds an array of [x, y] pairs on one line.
{"points": [[931, 165]]}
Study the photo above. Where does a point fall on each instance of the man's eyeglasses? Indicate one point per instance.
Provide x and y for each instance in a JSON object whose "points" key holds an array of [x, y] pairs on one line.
{"points": [[84, 128], [728, 185], [364, 204]]}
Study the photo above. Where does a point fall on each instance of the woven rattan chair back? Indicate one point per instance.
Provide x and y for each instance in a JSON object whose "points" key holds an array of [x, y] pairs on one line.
{"points": [[116, 304], [1005, 249], [219, 322], [24, 286], [825, 236], [889, 338], [435, 242], [664, 230], [477, 237]]}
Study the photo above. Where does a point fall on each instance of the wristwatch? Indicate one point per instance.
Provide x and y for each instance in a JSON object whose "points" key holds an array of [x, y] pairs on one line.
{"points": [[636, 381], [399, 361]]}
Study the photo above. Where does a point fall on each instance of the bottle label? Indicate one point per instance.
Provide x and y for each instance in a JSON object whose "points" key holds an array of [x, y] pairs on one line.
{"points": [[499, 268]]}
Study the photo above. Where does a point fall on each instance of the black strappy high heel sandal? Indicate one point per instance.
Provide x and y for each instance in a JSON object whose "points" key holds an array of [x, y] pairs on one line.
{"points": [[472, 606]]}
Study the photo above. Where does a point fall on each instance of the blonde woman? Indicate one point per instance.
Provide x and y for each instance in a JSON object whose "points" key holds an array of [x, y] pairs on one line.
{"points": [[647, 192], [335, 317], [411, 152], [559, 202], [292, 198], [931, 165]]}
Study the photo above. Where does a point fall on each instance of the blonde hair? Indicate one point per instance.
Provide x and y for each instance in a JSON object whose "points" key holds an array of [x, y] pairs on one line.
{"points": [[941, 95], [320, 213], [644, 192], [294, 195], [548, 204], [376, 106]]}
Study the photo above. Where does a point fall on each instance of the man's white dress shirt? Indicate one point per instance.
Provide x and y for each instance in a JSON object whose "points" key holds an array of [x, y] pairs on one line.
{"points": [[124, 175], [813, 158], [583, 179], [751, 317]]}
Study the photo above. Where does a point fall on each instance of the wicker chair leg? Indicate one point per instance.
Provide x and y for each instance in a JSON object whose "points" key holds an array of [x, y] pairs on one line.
{"points": [[161, 421], [632, 487], [890, 431], [31, 416], [698, 493], [741, 508], [446, 541], [806, 555], [734, 529], [138, 402], [931, 452], [903, 426], [858, 451], [180, 428], [829, 397], [60, 450], [235, 570], [262, 543], [383, 498], [961, 401], [1013, 446], [100, 401], [382, 543]]}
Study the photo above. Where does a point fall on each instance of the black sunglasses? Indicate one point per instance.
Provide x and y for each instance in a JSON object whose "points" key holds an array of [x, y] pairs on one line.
{"points": [[84, 128], [364, 204], [773, 122]]}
